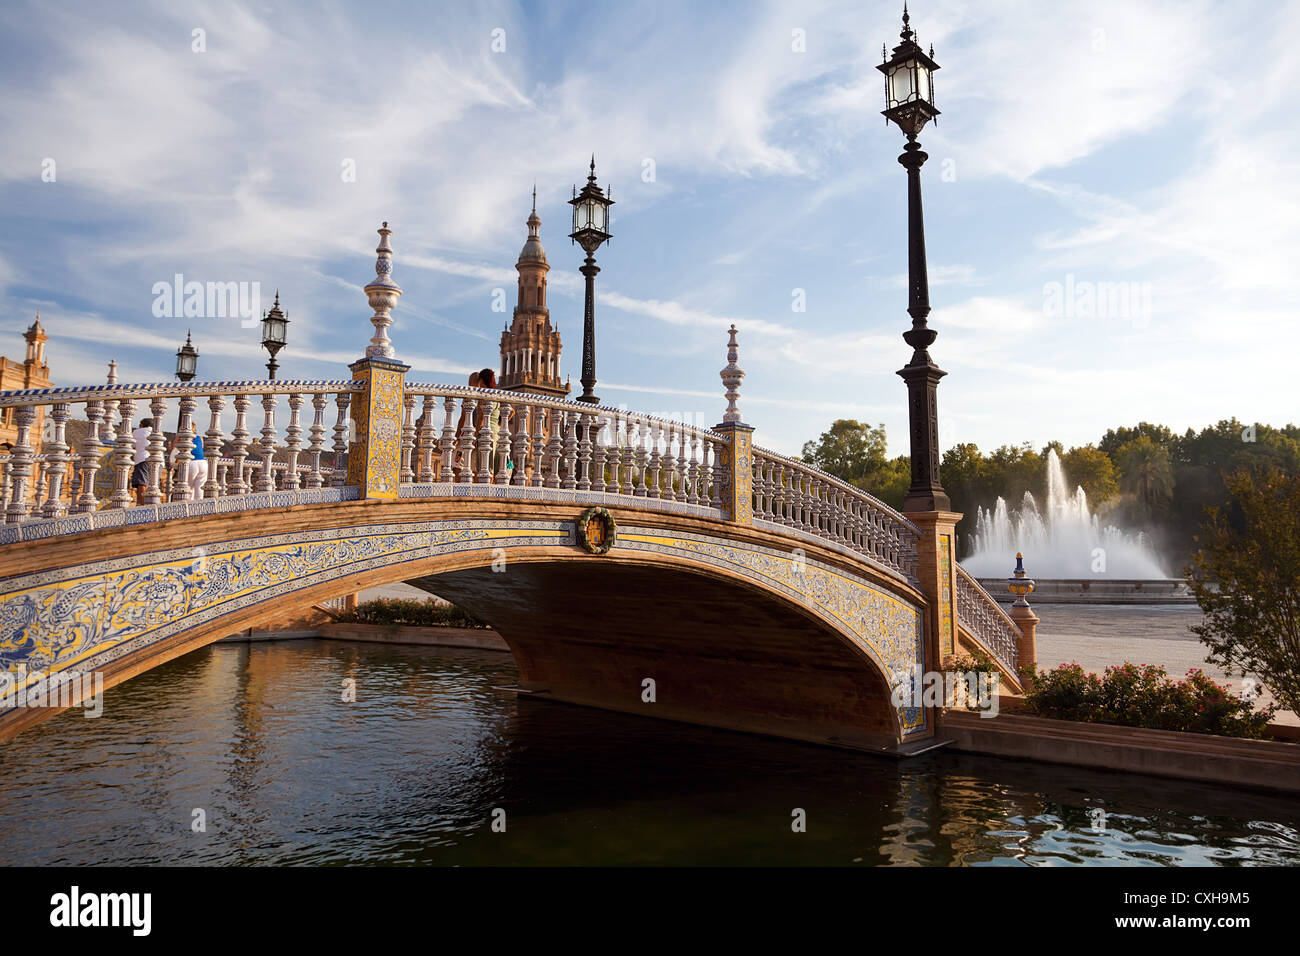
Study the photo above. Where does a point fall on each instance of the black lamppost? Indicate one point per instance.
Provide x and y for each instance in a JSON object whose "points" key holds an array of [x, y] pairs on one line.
{"points": [[274, 329], [909, 103], [187, 360], [590, 230]]}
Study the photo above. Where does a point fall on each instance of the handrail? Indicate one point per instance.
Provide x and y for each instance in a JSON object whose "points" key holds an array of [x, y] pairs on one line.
{"points": [[982, 616], [101, 393], [842, 485], [545, 401]]}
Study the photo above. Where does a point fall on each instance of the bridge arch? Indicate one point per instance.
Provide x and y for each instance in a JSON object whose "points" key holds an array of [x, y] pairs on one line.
{"points": [[746, 628]]}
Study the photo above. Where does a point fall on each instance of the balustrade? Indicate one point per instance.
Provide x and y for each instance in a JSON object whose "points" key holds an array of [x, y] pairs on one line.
{"points": [[981, 615], [485, 436]]}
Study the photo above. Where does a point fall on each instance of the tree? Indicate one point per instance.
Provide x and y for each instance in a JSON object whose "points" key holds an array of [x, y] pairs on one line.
{"points": [[1115, 437], [1246, 578], [890, 482], [850, 450], [1091, 468], [1147, 471], [963, 473], [1011, 471]]}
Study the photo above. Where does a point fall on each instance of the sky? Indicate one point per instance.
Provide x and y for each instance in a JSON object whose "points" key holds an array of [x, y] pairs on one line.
{"points": [[1112, 199]]}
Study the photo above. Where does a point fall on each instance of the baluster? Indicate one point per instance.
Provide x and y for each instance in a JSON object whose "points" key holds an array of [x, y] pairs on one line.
{"points": [[627, 454], [599, 453], [239, 446], [485, 438], [642, 433], [584, 451], [503, 443], [538, 456], [214, 437], [684, 461], [692, 495], [447, 442], [316, 440], [266, 480], [467, 407], [570, 450], [406, 475], [157, 453], [123, 456], [6, 481], [655, 459], [293, 442], [184, 452], [223, 481], [342, 446], [57, 450], [88, 465], [22, 457], [614, 455], [706, 475], [519, 449], [554, 449], [427, 439]]}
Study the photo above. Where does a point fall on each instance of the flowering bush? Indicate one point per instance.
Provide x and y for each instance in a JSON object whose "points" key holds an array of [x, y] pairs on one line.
{"points": [[411, 613], [1134, 696]]}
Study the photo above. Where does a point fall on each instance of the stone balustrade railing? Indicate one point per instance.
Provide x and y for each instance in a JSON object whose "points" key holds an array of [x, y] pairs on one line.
{"points": [[450, 440], [980, 614], [109, 412], [795, 494], [459, 435]]}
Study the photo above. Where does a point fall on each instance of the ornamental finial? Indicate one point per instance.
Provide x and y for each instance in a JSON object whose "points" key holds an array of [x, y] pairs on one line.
{"points": [[1020, 584], [731, 377], [382, 294], [112, 371]]}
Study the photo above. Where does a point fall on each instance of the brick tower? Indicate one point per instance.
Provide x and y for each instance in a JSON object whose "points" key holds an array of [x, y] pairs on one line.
{"points": [[530, 347]]}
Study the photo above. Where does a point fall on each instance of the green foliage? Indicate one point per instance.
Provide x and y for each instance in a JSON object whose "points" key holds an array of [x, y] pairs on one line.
{"points": [[1115, 437], [1147, 471], [1246, 578], [1132, 696], [410, 613], [850, 450], [1147, 477], [976, 661], [1091, 468]]}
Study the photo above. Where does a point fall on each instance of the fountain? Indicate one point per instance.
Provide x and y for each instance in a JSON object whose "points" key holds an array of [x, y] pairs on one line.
{"points": [[1066, 543]]}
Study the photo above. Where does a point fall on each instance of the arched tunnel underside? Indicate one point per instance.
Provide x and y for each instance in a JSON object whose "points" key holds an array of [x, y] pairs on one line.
{"points": [[592, 633], [739, 627]]}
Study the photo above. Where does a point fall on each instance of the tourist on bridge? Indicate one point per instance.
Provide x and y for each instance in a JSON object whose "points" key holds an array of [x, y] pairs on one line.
{"points": [[196, 472], [140, 472]]}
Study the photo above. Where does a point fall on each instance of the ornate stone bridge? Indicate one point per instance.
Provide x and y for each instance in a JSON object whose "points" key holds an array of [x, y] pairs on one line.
{"points": [[609, 548]]}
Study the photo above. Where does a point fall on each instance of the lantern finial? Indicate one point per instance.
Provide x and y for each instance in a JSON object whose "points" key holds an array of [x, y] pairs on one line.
{"points": [[907, 29], [382, 294]]}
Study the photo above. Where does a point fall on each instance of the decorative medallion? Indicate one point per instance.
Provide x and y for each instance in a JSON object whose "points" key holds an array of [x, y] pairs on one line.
{"points": [[596, 531]]}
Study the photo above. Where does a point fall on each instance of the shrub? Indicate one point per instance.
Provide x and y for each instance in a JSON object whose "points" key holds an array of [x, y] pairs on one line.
{"points": [[428, 613], [1133, 696]]}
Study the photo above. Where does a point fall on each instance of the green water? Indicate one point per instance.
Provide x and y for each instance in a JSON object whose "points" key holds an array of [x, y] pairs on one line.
{"points": [[286, 772]]}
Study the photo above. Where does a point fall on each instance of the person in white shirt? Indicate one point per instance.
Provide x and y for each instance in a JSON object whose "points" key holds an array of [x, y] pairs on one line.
{"points": [[140, 473]]}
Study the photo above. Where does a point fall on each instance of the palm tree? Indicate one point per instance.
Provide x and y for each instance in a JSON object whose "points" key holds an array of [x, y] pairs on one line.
{"points": [[1146, 470]]}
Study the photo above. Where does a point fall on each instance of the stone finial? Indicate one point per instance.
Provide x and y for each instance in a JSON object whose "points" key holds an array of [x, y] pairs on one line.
{"points": [[112, 372], [731, 377], [1020, 584], [382, 294]]}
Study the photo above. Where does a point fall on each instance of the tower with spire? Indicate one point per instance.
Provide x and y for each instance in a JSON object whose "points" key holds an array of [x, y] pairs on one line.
{"points": [[530, 347], [32, 372]]}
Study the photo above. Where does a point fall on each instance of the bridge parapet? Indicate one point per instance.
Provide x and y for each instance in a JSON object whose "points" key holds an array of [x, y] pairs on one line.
{"points": [[979, 613], [452, 440]]}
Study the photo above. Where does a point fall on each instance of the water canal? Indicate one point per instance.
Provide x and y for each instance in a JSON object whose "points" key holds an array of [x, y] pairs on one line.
{"points": [[285, 772]]}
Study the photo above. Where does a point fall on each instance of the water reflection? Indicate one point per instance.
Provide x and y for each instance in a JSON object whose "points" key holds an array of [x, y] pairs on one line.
{"points": [[260, 737]]}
